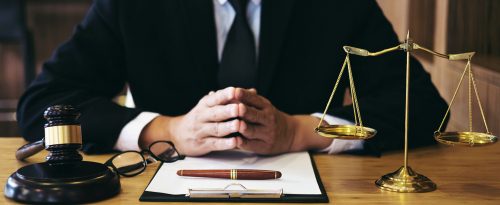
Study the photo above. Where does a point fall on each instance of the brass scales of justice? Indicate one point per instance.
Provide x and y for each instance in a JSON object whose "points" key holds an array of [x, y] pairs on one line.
{"points": [[405, 179]]}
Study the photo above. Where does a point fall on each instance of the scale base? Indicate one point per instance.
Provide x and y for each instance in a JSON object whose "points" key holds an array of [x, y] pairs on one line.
{"points": [[405, 180], [69, 183]]}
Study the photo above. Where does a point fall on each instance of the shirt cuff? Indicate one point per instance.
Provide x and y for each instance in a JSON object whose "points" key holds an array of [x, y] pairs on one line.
{"points": [[339, 145], [129, 136]]}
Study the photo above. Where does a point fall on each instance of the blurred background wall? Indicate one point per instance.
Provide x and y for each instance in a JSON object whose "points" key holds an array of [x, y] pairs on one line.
{"points": [[448, 26], [50, 23], [456, 26]]}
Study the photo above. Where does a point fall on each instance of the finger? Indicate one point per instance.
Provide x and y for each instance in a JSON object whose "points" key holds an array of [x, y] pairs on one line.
{"points": [[220, 129], [218, 144], [251, 131], [257, 146], [251, 90], [219, 113], [220, 97], [251, 114], [250, 98]]}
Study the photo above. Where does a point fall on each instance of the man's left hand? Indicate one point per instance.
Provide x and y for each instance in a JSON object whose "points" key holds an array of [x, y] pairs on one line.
{"points": [[265, 129]]}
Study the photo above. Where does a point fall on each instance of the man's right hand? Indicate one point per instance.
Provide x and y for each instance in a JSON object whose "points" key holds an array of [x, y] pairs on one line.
{"points": [[202, 129]]}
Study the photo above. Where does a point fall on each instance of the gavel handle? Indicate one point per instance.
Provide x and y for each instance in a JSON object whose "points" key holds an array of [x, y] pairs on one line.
{"points": [[29, 149]]}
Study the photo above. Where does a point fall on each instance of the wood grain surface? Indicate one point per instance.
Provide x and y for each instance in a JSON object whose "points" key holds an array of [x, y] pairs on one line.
{"points": [[463, 175]]}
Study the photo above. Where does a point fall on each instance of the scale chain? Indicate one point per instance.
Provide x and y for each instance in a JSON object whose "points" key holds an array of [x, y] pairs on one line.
{"points": [[452, 99], [334, 89], [479, 101], [470, 96], [357, 113]]}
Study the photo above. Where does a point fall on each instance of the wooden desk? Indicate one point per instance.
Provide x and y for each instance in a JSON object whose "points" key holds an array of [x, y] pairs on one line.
{"points": [[463, 175]]}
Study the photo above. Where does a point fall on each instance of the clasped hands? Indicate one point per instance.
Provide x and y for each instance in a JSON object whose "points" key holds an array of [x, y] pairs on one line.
{"points": [[235, 118]]}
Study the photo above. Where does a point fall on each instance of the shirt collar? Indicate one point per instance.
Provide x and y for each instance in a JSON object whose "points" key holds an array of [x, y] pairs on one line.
{"points": [[256, 2]]}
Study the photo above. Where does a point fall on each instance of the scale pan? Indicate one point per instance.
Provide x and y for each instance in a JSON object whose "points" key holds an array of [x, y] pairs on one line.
{"points": [[349, 132], [465, 138]]}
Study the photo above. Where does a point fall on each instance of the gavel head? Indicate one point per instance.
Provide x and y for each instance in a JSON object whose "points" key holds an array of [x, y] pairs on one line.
{"points": [[63, 135]]}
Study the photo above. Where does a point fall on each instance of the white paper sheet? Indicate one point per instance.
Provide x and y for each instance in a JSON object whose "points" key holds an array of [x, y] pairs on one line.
{"points": [[297, 173]]}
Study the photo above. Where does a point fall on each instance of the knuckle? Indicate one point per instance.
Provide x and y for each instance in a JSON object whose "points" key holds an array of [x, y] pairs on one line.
{"points": [[243, 110], [213, 115], [196, 118], [233, 110], [244, 129], [210, 100], [265, 101], [272, 134], [193, 127], [272, 118], [224, 129], [258, 117], [233, 125], [213, 143], [215, 129], [268, 147], [231, 90], [272, 138], [203, 99], [251, 131], [198, 141], [199, 133]]}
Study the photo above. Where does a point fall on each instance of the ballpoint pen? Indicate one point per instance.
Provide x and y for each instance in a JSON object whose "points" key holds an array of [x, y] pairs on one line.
{"points": [[249, 174]]}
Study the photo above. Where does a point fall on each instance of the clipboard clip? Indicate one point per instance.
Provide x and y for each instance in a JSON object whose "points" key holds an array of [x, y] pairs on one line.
{"points": [[234, 190]]}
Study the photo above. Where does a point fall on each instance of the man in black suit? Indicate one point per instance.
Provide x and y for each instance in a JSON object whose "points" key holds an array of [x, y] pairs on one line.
{"points": [[200, 70]]}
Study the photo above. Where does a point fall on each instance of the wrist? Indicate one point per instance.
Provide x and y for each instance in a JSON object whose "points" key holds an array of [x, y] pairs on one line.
{"points": [[157, 129], [292, 131], [171, 128], [305, 138]]}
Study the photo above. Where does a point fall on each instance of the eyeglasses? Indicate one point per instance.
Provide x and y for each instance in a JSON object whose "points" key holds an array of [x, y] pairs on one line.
{"points": [[132, 163]]}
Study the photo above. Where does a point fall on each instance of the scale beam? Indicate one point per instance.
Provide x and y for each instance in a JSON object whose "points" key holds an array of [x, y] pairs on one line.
{"points": [[412, 46], [364, 52]]}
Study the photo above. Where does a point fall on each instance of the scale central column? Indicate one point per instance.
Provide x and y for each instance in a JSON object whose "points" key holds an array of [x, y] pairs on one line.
{"points": [[405, 179]]}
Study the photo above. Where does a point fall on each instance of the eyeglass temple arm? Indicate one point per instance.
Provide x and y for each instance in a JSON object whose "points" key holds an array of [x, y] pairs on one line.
{"points": [[411, 46]]}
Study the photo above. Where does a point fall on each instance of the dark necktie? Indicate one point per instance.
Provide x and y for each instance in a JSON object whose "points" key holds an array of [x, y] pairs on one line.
{"points": [[238, 63]]}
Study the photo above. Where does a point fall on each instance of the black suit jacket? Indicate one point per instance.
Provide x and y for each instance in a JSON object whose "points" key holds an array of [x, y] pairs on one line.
{"points": [[166, 51]]}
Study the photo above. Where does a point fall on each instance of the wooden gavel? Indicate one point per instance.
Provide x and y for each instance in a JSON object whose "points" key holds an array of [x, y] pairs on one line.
{"points": [[63, 136]]}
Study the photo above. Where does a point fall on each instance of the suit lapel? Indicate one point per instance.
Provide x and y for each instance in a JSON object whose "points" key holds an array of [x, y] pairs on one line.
{"points": [[201, 38], [275, 15]]}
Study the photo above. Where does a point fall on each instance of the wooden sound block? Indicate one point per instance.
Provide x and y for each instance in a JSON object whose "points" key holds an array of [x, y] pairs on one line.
{"points": [[76, 182]]}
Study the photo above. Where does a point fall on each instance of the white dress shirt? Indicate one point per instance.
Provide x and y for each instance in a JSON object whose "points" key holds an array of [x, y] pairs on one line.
{"points": [[224, 15]]}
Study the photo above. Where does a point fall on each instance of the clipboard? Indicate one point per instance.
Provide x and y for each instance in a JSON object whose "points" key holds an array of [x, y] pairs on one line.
{"points": [[228, 194]]}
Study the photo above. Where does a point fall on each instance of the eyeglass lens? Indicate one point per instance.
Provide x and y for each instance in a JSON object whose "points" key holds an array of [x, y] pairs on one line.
{"points": [[164, 151], [129, 163]]}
